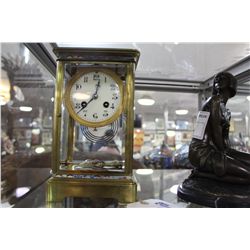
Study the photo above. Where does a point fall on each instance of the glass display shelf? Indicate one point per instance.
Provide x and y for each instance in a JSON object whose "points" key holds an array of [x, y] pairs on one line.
{"points": [[152, 184]]}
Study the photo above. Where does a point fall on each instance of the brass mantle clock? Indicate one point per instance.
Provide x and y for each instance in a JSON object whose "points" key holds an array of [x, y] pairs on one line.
{"points": [[93, 124]]}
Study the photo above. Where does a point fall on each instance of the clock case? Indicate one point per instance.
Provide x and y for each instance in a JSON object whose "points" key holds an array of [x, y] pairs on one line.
{"points": [[67, 181]]}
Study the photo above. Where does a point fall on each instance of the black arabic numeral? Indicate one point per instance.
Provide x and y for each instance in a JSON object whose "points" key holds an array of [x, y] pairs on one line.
{"points": [[112, 87], [96, 76], [78, 86], [114, 97], [77, 105]]}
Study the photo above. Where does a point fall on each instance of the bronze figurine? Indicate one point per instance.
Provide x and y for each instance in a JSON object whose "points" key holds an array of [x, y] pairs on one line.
{"points": [[212, 156]]}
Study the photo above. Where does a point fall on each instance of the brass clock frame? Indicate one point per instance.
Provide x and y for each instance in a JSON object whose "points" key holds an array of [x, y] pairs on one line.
{"points": [[115, 185], [68, 102]]}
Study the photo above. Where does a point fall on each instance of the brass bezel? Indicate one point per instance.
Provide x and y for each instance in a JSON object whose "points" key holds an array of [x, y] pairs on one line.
{"points": [[68, 103]]}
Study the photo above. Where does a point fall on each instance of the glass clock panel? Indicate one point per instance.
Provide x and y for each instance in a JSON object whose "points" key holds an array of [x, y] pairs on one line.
{"points": [[98, 149], [94, 97]]}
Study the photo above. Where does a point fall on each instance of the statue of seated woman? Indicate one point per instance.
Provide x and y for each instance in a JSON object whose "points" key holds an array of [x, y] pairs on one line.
{"points": [[212, 156]]}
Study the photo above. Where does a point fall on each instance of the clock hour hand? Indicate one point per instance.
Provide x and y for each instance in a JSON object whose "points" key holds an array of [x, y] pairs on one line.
{"points": [[94, 96]]}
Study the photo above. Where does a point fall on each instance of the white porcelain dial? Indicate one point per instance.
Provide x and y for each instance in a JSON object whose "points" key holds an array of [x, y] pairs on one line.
{"points": [[95, 98]]}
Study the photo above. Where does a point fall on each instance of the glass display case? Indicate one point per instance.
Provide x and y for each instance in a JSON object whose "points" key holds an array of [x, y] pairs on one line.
{"points": [[26, 92], [163, 130]]}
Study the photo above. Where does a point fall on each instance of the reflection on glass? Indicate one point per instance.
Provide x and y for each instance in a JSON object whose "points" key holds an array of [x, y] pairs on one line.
{"points": [[26, 89], [170, 123], [165, 126]]}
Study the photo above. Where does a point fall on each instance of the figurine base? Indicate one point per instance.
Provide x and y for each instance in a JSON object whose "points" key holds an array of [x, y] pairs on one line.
{"points": [[212, 193], [60, 188]]}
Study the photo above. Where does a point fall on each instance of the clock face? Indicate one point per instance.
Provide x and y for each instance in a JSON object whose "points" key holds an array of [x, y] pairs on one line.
{"points": [[94, 97]]}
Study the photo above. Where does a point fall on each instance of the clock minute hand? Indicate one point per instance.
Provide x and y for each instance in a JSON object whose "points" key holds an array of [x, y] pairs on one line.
{"points": [[96, 90]]}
